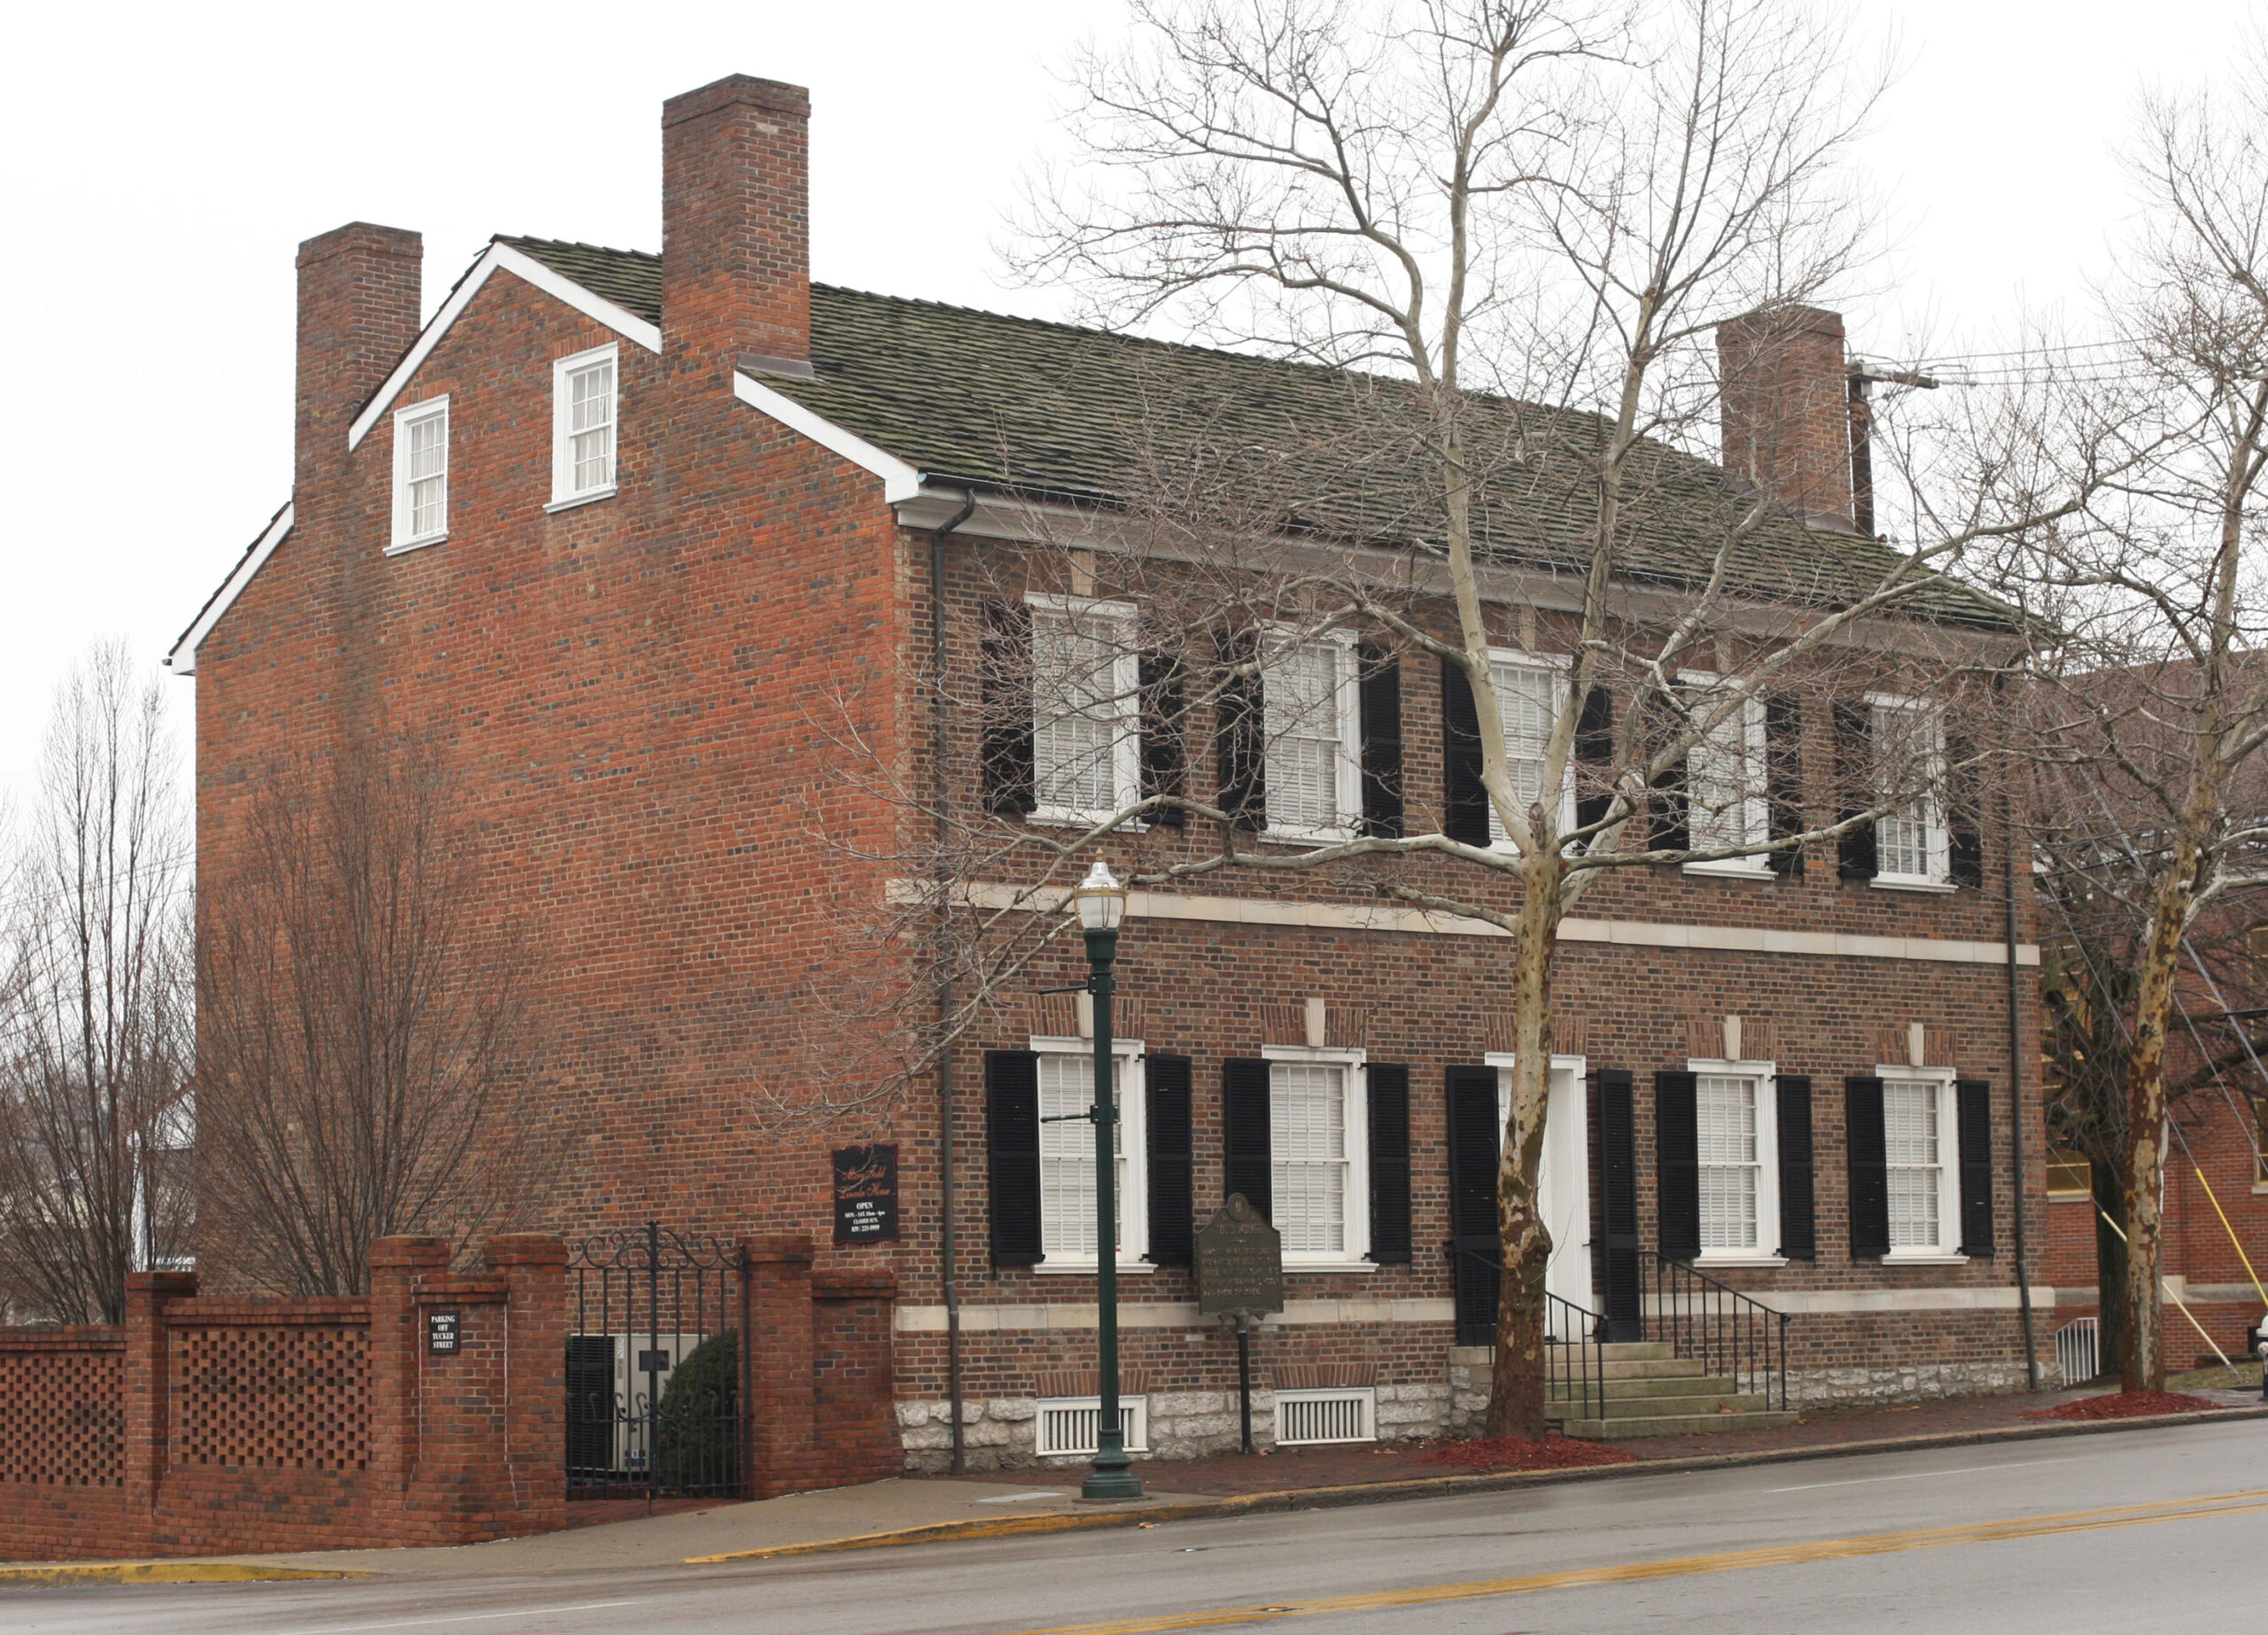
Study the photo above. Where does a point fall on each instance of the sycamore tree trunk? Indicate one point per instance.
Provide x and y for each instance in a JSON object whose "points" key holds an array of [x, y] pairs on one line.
{"points": [[1517, 1380]]}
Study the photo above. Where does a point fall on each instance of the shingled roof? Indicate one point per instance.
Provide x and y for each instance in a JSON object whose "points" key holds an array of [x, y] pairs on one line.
{"points": [[1021, 405]]}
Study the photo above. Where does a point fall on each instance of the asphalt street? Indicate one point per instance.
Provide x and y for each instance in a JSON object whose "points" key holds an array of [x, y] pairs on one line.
{"points": [[2159, 1531]]}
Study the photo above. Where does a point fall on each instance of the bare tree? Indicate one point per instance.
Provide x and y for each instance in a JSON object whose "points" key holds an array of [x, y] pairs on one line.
{"points": [[1530, 221], [2153, 704], [94, 1109], [362, 1049]]}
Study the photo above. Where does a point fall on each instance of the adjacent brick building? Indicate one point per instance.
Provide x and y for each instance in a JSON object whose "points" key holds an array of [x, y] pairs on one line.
{"points": [[644, 542]]}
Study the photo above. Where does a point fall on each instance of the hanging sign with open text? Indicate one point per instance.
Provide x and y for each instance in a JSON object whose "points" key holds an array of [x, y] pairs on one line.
{"points": [[866, 1193]]}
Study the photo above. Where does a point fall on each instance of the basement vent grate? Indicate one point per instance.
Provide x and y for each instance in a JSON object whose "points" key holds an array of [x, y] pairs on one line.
{"points": [[1343, 1414], [1068, 1425]]}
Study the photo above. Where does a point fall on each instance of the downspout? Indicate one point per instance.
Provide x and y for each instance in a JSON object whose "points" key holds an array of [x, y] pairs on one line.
{"points": [[940, 738], [2016, 1083]]}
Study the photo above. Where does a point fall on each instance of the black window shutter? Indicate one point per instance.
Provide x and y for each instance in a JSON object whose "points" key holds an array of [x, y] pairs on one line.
{"points": [[1389, 1099], [1964, 835], [1381, 698], [1671, 827], [1854, 777], [1975, 1112], [1167, 1119], [1011, 1137], [1617, 1170], [1242, 745], [1784, 781], [1247, 1157], [1594, 757], [1798, 1202], [1165, 751], [1476, 1149], [1008, 752], [1464, 800], [1677, 1163], [1863, 1141]]}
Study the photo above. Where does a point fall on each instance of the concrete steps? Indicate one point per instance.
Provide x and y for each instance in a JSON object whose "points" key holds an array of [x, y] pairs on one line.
{"points": [[1650, 1392]]}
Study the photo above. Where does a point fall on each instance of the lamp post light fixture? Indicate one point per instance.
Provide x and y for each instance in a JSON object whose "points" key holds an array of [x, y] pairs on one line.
{"points": [[1101, 903]]}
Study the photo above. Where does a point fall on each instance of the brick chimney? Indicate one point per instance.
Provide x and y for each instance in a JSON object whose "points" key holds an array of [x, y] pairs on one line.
{"points": [[736, 276], [358, 314], [1786, 407]]}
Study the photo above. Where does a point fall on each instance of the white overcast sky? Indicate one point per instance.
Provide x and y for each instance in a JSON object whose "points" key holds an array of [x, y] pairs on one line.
{"points": [[166, 160]]}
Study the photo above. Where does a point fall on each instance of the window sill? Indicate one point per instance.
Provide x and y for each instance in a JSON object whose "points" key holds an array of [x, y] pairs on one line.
{"points": [[1768, 1262], [1056, 818], [1731, 869], [408, 546], [1088, 1268], [572, 500], [1923, 1257], [1942, 887], [1307, 837], [1363, 1267], [2088, 1197]]}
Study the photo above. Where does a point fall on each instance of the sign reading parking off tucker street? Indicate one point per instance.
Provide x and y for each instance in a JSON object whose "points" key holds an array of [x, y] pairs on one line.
{"points": [[1239, 1262]]}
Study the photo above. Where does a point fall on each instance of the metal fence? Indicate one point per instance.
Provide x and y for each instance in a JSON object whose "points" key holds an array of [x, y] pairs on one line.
{"points": [[2078, 1350], [657, 1370]]}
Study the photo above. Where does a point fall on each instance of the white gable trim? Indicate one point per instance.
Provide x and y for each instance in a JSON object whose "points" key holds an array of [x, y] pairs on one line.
{"points": [[900, 481], [182, 660], [565, 291]]}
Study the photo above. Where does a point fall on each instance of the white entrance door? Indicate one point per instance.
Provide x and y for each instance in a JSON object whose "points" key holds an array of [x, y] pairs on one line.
{"points": [[1565, 1183]]}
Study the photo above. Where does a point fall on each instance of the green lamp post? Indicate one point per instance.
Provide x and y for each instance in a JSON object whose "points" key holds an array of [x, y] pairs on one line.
{"points": [[1101, 903]]}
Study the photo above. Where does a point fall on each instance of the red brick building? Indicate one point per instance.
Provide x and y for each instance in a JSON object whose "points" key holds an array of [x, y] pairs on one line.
{"points": [[643, 539]]}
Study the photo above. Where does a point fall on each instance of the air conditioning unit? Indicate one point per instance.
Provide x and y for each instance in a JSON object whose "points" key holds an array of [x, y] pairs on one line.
{"points": [[608, 1379], [1332, 1414], [1071, 1425]]}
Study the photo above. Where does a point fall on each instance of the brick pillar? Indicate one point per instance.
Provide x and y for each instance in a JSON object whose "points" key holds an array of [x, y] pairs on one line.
{"points": [[854, 1391], [148, 1394], [780, 1411], [534, 1269], [396, 1266]]}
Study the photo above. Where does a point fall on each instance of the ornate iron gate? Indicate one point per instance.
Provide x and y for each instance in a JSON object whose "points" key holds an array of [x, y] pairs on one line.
{"points": [[657, 1366]]}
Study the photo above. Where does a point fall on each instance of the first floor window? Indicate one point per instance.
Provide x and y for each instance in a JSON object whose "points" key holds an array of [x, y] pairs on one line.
{"points": [[1309, 698], [1067, 1155], [421, 472], [1913, 1142], [1725, 1106], [1308, 1125], [1086, 674]]}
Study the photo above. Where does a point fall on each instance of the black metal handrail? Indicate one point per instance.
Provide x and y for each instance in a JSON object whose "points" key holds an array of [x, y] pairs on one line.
{"points": [[1575, 1353], [1710, 1322]]}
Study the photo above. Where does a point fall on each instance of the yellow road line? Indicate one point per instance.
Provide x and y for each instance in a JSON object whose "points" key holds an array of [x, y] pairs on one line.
{"points": [[163, 1572], [1729, 1560]]}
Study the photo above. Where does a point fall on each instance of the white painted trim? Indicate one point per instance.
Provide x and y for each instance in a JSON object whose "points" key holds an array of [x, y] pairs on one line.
{"points": [[1133, 1150], [1418, 922], [1561, 668], [1126, 728], [1355, 1135], [1766, 1251], [404, 510], [900, 481], [563, 492], [1348, 707], [1945, 1251], [182, 660], [496, 257]]}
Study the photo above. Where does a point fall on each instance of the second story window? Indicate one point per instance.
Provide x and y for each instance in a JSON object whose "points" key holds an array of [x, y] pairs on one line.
{"points": [[1085, 704], [583, 420], [1725, 794], [1529, 696], [1313, 780], [1909, 747], [420, 474]]}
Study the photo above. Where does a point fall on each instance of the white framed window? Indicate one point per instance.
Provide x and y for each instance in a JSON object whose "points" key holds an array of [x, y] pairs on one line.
{"points": [[585, 394], [1736, 1117], [1725, 779], [420, 474], [1067, 1156], [1307, 1416], [1531, 691], [1911, 846], [1313, 726], [1071, 1426], [1318, 1134], [1920, 1152], [1085, 707]]}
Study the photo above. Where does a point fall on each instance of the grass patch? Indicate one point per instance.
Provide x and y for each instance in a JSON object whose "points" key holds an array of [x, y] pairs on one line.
{"points": [[2242, 1376]]}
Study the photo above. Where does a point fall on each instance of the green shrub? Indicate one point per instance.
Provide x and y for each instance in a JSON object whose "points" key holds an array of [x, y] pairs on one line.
{"points": [[697, 1426]]}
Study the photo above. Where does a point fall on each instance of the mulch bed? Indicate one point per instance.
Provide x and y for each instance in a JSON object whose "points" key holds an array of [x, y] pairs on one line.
{"points": [[1554, 1452], [2127, 1405]]}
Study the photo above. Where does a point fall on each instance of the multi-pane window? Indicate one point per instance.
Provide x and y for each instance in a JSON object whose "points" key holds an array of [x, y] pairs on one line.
{"points": [[1909, 749], [585, 415], [1085, 679], [1308, 690], [1724, 774], [1725, 1105], [1311, 1177], [421, 473], [1067, 1155], [1913, 1140], [1527, 699]]}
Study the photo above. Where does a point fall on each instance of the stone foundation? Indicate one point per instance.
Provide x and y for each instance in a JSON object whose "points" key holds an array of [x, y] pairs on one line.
{"points": [[1844, 1388]]}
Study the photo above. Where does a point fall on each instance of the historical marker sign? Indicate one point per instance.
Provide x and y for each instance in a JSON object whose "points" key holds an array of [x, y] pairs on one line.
{"points": [[1239, 1262], [443, 1333], [866, 1193]]}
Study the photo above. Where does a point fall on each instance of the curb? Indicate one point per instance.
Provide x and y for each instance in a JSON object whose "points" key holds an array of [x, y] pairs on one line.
{"points": [[164, 1572], [1281, 1500]]}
